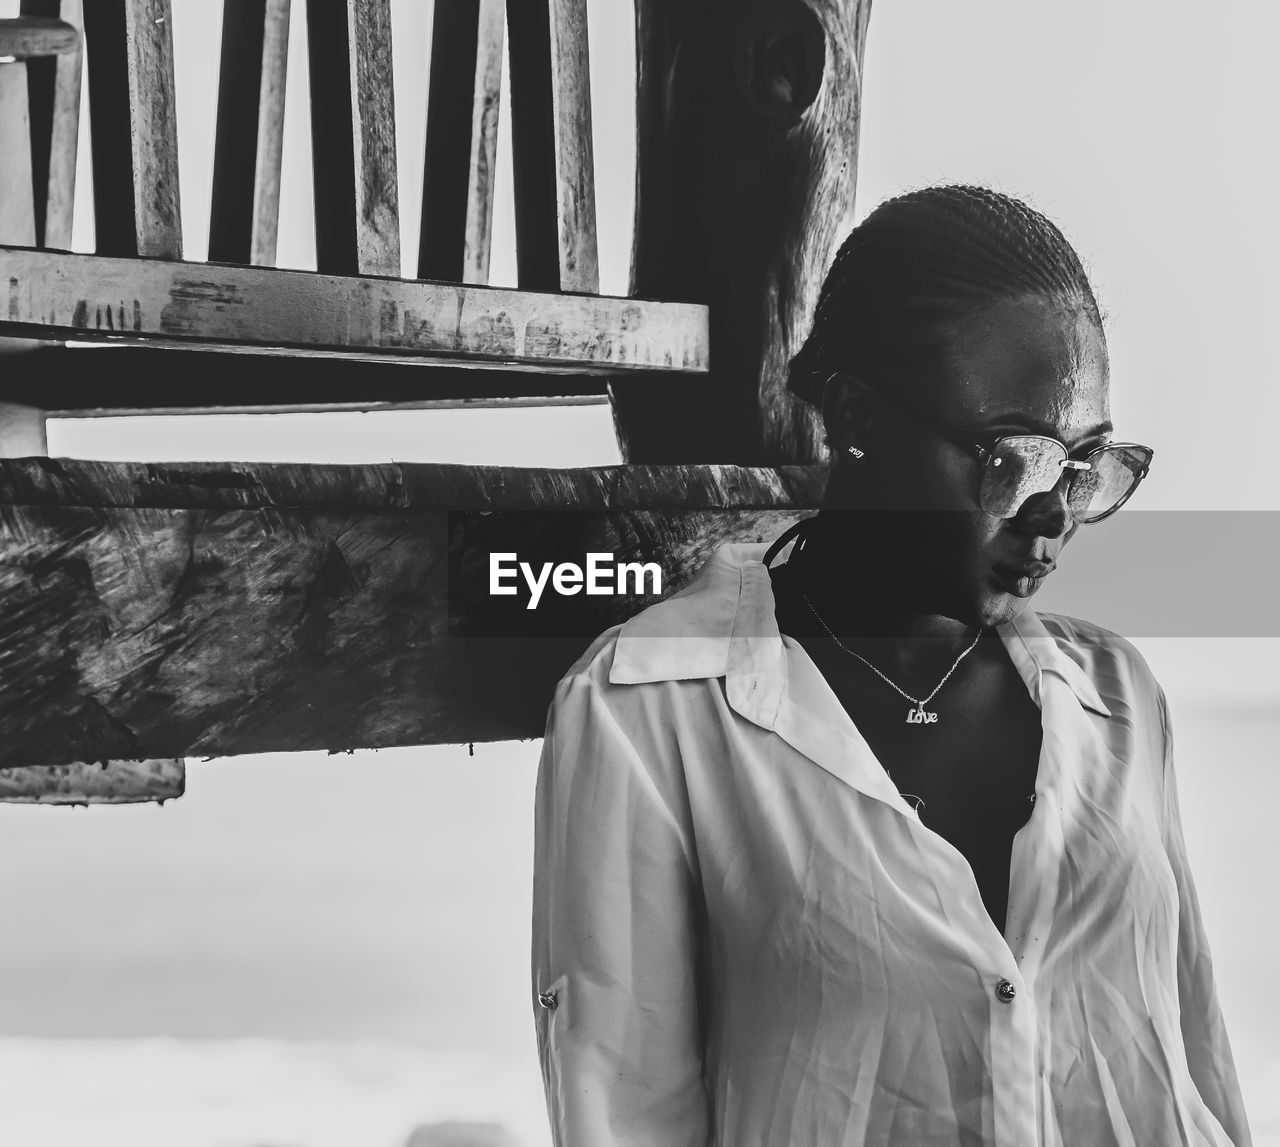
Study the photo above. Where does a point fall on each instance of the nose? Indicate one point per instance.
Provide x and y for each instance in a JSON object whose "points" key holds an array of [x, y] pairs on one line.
{"points": [[1047, 514]]}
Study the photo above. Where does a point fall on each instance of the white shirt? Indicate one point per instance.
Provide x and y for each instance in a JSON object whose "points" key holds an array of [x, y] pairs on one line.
{"points": [[744, 936]]}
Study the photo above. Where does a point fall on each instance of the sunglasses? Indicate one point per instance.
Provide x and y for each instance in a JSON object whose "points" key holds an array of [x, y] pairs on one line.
{"points": [[1016, 467]]}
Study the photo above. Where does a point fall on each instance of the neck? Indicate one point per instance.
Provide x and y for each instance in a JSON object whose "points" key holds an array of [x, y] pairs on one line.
{"points": [[863, 602]]}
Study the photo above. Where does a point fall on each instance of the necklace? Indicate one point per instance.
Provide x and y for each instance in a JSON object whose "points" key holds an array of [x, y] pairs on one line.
{"points": [[917, 715]]}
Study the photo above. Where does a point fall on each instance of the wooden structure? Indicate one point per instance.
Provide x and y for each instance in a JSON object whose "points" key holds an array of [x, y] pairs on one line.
{"points": [[154, 612]]}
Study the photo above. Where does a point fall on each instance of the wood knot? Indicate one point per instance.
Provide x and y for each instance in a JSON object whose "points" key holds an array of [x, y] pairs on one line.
{"points": [[779, 52]]}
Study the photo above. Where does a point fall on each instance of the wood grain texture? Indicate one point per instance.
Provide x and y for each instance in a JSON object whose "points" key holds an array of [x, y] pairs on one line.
{"points": [[249, 140], [30, 37], [462, 141], [113, 782], [575, 158], [17, 206], [88, 296], [747, 120], [552, 154], [353, 137], [165, 611], [133, 120], [53, 85]]}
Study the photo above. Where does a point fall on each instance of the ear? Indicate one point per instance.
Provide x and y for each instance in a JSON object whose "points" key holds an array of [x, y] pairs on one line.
{"points": [[847, 403]]}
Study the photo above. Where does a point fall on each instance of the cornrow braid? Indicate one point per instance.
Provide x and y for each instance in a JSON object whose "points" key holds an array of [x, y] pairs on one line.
{"points": [[917, 264]]}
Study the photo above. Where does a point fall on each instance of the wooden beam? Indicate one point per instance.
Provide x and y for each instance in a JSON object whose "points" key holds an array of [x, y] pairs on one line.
{"points": [[31, 37], [89, 296], [115, 782], [53, 86], [140, 379], [177, 610], [552, 153], [353, 137], [462, 141], [249, 140], [134, 128], [22, 435], [747, 119]]}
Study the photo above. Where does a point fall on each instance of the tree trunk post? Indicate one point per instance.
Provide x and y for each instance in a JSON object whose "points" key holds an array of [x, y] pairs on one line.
{"points": [[747, 119]]}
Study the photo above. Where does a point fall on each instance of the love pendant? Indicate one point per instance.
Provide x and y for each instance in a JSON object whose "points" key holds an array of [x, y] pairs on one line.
{"points": [[921, 716]]}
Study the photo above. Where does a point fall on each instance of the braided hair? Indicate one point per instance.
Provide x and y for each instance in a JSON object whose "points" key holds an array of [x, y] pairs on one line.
{"points": [[918, 265]]}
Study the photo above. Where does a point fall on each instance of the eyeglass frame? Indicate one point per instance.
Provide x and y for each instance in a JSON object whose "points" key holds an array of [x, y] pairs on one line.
{"points": [[986, 455]]}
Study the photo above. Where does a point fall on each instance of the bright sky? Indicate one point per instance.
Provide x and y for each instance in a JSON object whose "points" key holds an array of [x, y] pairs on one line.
{"points": [[1142, 132]]}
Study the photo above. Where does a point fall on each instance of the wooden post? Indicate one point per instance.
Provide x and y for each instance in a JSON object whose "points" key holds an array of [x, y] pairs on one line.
{"points": [[134, 128], [353, 137], [747, 121], [249, 142]]}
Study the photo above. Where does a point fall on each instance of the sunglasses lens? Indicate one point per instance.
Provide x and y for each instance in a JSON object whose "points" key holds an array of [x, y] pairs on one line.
{"points": [[1020, 467], [1115, 474]]}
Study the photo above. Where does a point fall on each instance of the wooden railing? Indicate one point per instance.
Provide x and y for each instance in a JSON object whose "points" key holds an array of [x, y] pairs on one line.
{"points": [[137, 288], [163, 611]]}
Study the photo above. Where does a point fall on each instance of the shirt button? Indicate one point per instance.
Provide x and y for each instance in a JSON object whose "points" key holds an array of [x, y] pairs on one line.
{"points": [[1005, 991], [547, 999]]}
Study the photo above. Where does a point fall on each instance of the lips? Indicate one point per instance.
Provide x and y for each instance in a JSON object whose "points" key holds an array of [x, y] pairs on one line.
{"points": [[1035, 569]]}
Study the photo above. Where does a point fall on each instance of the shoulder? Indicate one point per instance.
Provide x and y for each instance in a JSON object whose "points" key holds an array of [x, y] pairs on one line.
{"points": [[1114, 664], [624, 680]]}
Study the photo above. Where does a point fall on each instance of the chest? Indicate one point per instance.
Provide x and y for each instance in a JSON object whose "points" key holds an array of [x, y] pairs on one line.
{"points": [[971, 773]]}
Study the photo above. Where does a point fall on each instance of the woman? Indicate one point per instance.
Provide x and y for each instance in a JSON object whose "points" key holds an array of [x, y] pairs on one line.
{"points": [[859, 848]]}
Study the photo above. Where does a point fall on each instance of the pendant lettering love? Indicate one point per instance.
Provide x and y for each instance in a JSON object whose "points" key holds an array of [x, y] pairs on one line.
{"points": [[921, 717]]}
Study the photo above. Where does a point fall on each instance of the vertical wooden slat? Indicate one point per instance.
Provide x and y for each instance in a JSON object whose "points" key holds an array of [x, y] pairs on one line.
{"points": [[53, 85], [249, 142], [551, 141], [134, 127], [17, 206], [353, 137], [462, 141]]}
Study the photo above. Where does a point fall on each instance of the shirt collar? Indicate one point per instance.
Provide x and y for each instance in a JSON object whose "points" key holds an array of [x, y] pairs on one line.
{"points": [[722, 624]]}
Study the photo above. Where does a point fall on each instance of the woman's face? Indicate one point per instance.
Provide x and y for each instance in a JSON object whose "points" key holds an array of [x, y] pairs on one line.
{"points": [[1021, 366]]}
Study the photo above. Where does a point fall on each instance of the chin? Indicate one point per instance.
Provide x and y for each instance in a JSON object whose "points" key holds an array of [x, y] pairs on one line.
{"points": [[990, 608]]}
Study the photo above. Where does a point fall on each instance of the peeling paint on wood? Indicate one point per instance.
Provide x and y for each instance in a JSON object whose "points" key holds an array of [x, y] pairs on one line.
{"points": [[73, 295]]}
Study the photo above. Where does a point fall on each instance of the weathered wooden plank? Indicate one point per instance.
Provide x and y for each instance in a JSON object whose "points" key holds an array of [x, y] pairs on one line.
{"points": [[747, 121], [462, 141], [249, 141], [53, 85], [17, 208], [31, 37], [164, 611], [134, 128], [89, 296], [140, 379], [112, 782], [551, 144], [353, 137]]}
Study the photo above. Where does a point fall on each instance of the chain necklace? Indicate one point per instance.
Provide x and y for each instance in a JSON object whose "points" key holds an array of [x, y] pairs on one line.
{"points": [[917, 715]]}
